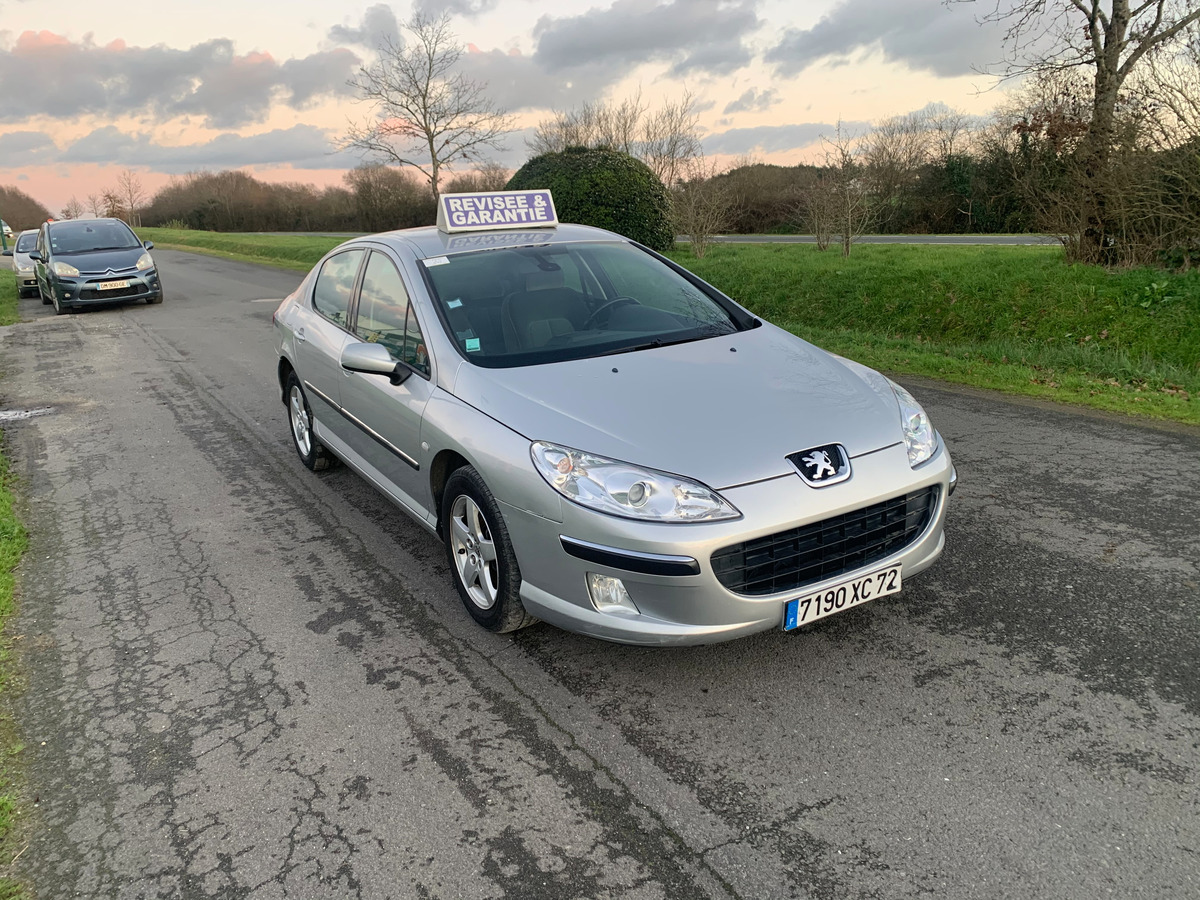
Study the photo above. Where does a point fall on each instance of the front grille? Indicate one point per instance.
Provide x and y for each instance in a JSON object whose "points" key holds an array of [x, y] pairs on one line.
{"points": [[133, 290], [791, 559]]}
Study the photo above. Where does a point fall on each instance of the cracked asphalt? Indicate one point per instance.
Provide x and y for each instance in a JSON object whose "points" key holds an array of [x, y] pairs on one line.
{"points": [[247, 680]]}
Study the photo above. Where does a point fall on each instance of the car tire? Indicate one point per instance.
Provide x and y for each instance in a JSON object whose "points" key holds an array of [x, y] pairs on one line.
{"points": [[45, 300], [311, 451], [482, 562], [59, 308]]}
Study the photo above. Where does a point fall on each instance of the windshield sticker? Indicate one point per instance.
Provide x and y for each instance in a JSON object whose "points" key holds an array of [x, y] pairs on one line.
{"points": [[436, 261], [455, 303], [472, 344]]}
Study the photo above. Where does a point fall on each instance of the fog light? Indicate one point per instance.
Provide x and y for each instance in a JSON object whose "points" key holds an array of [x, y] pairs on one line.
{"points": [[609, 594]]}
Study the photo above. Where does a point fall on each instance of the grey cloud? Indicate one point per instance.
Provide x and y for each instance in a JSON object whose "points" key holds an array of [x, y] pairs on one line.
{"points": [[697, 36], [516, 82], [301, 146], [26, 147], [754, 101], [378, 26], [774, 138], [64, 79], [467, 8], [929, 35]]}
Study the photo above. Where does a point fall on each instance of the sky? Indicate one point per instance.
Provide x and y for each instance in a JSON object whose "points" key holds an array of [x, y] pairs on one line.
{"points": [[88, 90]]}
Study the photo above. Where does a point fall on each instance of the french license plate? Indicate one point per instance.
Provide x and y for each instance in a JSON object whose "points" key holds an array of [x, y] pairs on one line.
{"points": [[111, 285], [840, 597]]}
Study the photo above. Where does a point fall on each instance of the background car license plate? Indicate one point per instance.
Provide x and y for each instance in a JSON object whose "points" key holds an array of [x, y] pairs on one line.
{"points": [[832, 600], [111, 285]]}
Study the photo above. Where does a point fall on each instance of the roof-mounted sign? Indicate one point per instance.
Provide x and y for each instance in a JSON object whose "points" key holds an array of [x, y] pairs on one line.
{"points": [[495, 210]]}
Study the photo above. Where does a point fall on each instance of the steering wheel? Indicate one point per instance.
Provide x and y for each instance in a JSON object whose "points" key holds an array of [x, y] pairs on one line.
{"points": [[606, 307]]}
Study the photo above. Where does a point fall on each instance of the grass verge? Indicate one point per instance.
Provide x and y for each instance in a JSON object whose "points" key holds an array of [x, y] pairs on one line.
{"points": [[12, 545], [8, 297], [1010, 318], [299, 251]]}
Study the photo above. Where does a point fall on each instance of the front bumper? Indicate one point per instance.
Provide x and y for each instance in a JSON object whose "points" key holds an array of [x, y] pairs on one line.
{"points": [[26, 279], [85, 290], [690, 605]]}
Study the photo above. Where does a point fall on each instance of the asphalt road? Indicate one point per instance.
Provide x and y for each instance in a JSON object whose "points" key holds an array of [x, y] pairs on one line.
{"points": [[246, 680]]}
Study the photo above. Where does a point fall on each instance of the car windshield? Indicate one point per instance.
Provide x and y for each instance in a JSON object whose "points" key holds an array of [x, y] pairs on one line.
{"points": [[530, 305], [85, 236], [27, 242]]}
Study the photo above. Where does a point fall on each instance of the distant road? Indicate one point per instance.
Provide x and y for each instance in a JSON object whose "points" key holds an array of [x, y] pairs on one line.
{"points": [[993, 239], [986, 239]]}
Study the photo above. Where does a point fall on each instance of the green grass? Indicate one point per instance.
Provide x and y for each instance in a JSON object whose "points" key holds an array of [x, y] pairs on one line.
{"points": [[1016, 319], [12, 545], [298, 252], [8, 295]]}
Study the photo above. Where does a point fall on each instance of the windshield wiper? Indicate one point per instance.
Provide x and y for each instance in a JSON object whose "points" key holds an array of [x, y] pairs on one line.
{"points": [[655, 343], [98, 249]]}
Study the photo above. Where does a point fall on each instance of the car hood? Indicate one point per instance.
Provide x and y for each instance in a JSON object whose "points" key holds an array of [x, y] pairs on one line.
{"points": [[725, 410], [101, 261]]}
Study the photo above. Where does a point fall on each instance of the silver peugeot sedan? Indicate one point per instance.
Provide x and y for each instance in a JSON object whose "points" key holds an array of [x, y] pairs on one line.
{"points": [[604, 441]]}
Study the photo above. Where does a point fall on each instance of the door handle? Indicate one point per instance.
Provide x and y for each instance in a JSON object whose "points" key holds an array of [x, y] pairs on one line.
{"points": [[300, 335]]}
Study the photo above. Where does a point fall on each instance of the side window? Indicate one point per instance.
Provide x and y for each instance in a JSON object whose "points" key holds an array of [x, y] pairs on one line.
{"points": [[414, 345], [385, 315], [335, 283]]}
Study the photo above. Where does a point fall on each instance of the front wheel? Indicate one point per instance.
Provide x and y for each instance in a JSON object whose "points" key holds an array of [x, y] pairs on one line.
{"points": [[482, 562], [312, 452]]}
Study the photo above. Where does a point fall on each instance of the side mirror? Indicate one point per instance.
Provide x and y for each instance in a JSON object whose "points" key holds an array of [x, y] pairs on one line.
{"points": [[373, 359], [7, 251], [36, 256], [149, 245]]}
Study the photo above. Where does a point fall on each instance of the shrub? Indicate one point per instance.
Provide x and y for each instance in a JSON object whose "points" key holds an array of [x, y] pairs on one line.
{"points": [[604, 188]]}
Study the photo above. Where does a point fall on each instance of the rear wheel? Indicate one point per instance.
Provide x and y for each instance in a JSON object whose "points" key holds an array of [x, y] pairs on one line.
{"points": [[311, 451], [482, 562]]}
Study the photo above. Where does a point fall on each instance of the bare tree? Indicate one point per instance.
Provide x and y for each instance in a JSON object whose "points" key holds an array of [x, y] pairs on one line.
{"points": [[427, 115], [670, 139], [95, 204], [851, 203], [1111, 38], [702, 205], [665, 139], [892, 155], [129, 188], [816, 210], [488, 176], [111, 205], [73, 209], [595, 124]]}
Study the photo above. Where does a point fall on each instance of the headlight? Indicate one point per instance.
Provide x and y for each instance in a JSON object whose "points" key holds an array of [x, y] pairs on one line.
{"points": [[919, 436], [145, 261], [620, 489], [61, 268], [22, 270]]}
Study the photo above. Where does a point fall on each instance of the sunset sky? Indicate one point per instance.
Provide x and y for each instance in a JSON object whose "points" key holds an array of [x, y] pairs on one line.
{"points": [[89, 89]]}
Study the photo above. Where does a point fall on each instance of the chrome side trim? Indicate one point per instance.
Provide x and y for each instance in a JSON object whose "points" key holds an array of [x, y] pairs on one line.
{"points": [[366, 429], [630, 560]]}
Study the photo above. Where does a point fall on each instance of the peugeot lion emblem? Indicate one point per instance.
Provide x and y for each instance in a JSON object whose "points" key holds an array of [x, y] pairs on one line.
{"points": [[822, 466]]}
